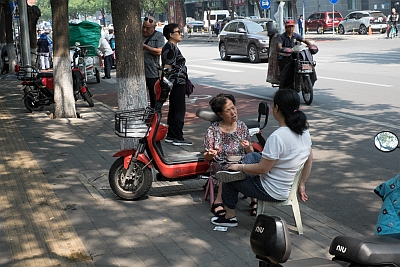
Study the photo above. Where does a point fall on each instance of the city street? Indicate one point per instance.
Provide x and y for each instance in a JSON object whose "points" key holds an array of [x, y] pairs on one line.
{"points": [[58, 209], [353, 100]]}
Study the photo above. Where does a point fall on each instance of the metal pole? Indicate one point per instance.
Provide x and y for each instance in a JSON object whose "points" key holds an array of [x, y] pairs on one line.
{"points": [[304, 20], [24, 34], [333, 19]]}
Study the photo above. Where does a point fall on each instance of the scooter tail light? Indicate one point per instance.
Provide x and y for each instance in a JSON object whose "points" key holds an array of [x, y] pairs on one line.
{"points": [[83, 89]]}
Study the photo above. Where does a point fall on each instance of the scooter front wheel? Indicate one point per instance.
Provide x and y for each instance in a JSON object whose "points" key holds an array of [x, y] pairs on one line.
{"points": [[133, 187], [307, 90]]}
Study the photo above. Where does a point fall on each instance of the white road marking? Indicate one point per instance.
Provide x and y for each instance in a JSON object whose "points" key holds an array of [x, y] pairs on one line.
{"points": [[352, 81], [203, 73], [241, 65], [212, 68]]}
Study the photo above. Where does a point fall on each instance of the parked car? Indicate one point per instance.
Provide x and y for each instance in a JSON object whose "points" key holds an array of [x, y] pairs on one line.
{"points": [[322, 21], [244, 38], [360, 21], [195, 25]]}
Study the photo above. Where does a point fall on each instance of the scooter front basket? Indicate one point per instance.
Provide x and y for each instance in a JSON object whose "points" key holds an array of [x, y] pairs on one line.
{"points": [[133, 123]]}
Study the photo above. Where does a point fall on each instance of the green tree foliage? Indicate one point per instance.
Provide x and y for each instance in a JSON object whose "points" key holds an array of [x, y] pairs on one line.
{"points": [[75, 7], [152, 7]]}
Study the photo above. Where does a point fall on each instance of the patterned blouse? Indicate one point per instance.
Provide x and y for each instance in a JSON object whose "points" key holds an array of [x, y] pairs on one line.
{"points": [[171, 55], [226, 143]]}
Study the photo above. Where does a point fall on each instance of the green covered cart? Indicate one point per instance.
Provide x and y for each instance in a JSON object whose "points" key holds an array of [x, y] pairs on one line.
{"points": [[88, 35]]}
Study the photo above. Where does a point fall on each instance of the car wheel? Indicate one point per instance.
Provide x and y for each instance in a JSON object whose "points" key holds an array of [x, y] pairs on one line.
{"points": [[363, 29], [341, 29], [253, 54], [222, 52], [320, 30]]}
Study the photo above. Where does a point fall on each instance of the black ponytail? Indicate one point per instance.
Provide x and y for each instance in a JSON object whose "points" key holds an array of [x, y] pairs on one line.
{"points": [[288, 102]]}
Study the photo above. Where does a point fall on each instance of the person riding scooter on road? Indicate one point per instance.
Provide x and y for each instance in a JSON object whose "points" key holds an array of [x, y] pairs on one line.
{"points": [[286, 67]]}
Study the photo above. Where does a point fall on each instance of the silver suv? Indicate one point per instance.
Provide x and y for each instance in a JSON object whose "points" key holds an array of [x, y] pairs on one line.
{"points": [[360, 21]]}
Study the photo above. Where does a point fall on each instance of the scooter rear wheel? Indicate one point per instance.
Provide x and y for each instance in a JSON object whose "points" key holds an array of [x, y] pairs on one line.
{"points": [[307, 90], [31, 104], [124, 187]]}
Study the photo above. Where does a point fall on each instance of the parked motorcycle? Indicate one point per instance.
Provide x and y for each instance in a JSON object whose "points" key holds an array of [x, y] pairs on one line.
{"points": [[301, 65], [38, 88], [79, 77], [270, 239], [130, 176], [86, 64]]}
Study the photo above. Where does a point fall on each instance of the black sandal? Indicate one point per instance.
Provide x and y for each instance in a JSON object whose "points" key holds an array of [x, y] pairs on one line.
{"points": [[253, 209], [218, 213]]}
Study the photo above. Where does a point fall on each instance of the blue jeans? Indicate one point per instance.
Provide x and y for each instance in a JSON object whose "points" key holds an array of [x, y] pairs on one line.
{"points": [[251, 186]]}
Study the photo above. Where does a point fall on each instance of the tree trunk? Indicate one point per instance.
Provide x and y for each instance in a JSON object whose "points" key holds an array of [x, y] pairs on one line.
{"points": [[12, 56], [131, 82], [63, 92], [294, 8], [33, 17]]}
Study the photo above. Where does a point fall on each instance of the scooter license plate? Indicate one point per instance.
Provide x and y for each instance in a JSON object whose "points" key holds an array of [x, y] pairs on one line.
{"points": [[306, 67]]}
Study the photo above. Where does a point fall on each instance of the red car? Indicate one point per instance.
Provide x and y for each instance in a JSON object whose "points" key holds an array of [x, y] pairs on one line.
{"points": [[322, 21]]}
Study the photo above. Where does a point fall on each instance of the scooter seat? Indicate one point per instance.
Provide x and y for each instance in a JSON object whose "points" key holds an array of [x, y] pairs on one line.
{"points": [[44, 75], [207, 115], [367, 250]]}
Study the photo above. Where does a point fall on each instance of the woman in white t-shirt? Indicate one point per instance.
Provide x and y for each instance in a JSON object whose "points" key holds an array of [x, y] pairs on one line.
{"points": [[286, 149]]}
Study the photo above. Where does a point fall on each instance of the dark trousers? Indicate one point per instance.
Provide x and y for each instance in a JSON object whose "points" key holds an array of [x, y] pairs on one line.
{"points": [[251, 187], [107, 66], [176, 113], [150, 82]]}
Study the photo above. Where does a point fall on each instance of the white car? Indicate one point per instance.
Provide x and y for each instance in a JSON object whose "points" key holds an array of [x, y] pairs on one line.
{"points": [[360, 21]]}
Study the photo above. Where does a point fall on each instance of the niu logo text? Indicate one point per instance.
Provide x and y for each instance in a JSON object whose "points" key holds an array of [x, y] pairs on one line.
{"points": [[341, 248], [259, 229]]}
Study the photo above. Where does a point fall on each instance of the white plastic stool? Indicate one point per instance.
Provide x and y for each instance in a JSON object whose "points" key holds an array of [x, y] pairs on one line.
{"points": [[291, 200]]}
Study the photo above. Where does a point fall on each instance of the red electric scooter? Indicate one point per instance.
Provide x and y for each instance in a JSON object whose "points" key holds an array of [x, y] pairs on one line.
{"points": [[130, 176]]}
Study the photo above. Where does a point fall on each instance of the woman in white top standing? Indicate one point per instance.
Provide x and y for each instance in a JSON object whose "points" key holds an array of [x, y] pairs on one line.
{"points": [[286, 149]]}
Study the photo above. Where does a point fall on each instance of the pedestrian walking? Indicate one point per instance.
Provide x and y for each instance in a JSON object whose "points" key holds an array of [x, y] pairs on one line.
{"points": [[106, 52], [43, 51], [300, 22]]}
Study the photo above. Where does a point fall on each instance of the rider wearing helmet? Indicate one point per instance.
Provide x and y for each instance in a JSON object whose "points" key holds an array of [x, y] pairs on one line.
{"points": [[285, 40], [392, 21]]}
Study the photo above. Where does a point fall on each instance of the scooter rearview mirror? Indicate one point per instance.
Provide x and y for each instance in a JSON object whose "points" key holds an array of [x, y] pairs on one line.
{"points": [[386, 141], [263, 110]]}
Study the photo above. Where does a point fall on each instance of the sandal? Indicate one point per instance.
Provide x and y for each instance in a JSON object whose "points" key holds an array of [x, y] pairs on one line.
{"points": [[217, 213], [253, 206]]}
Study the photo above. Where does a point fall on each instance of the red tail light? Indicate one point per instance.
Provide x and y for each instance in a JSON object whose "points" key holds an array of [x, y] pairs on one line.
{"points": [[17, 68]]}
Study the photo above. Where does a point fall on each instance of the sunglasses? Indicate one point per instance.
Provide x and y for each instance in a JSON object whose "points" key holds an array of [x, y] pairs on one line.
{"points": [[147, 19], [177, 32]]}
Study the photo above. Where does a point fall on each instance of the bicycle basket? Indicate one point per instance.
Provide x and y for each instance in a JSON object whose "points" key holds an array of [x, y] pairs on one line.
{"points": [[133, 123], [26, 74]]}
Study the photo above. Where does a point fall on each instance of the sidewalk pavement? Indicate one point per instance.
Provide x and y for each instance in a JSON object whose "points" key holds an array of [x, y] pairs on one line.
{"points": [[57, 208]]}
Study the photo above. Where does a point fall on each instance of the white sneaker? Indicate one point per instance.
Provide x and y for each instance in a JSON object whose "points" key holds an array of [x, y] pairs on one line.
{"points": [[222, 221], [230, 176]]}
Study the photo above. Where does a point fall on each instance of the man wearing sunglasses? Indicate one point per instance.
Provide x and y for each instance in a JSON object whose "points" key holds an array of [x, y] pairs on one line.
{"points": [[153, 41]]}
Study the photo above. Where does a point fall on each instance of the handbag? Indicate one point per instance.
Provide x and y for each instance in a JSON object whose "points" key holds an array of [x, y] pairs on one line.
{"points": [[189, 87]]}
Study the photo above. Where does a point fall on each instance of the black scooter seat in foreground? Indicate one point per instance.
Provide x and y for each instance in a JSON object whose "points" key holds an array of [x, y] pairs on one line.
{"points": [[270, 241]]}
